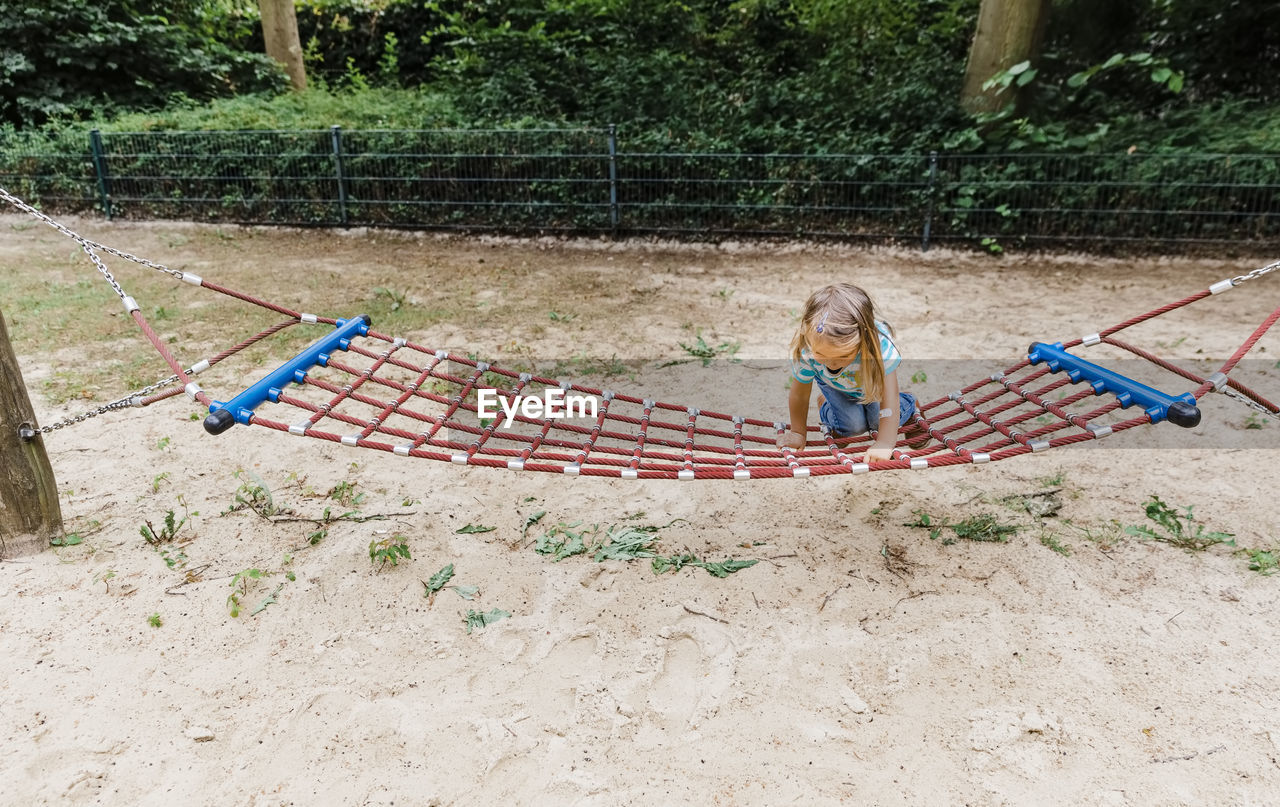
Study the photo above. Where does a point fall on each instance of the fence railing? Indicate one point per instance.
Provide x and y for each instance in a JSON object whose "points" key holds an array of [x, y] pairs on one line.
{"points": [[585, 181]]}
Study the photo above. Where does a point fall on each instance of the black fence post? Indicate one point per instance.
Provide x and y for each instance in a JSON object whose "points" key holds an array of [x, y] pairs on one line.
{"points": [[100, 169], [613, 180], [928, 210], [336, 138]]}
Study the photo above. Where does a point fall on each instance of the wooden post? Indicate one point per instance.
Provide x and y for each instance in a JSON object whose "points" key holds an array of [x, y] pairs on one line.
{"points": [[30, 515]]}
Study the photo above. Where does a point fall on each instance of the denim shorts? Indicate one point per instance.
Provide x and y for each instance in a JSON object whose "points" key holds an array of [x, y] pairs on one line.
{"points": [[847, 417]]}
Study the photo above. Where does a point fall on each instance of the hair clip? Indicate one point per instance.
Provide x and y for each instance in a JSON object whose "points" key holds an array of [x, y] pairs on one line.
{"points": [[822, 323]]}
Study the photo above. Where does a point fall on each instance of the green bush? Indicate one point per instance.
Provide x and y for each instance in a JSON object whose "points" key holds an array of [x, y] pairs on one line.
{"points": [[82, 58]]}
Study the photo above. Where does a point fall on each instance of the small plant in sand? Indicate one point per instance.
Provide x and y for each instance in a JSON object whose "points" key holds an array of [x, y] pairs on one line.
{"points": [[438, 582], [388, 550], [564, 540], [627, 542], [706, 353], [105, 577], [483, 619], [984, 528], [252, 494], [167, 532], [395, 300], [1053, 542], [154, 620], [1263, 561], [722, 568], [344, 493], [241, 582], [1178, 528], [244, 582]]}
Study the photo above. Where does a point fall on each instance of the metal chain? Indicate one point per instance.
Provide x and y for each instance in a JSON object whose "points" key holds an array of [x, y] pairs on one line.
{"points": [[1249, 402], [89, 247], [1255, 274], [135, 399]]}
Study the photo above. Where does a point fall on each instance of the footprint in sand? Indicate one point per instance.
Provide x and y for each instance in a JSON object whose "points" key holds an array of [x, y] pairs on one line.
{"points": [[696, 671], [560, 670]]}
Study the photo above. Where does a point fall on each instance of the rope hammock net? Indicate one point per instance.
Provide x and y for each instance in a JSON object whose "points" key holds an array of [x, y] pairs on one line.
{"points": [[359, 387]]}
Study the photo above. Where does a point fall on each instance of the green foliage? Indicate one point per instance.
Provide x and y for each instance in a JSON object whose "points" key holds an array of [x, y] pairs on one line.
{"points": [[564, 540], [476, 619], [375, 108], [673, 563], [240, 585], [252, 494], [1053, 542], [784, 76], [753, 75], [1180, 529], [1263, 561], [168, 532], [626, 542], [1069, 112], [983, 528], [705, 353], [245, 581], [388, 550], [344, 493], [678, 561], [80, 59], [440, 579], [381, 39], [105, 577]]}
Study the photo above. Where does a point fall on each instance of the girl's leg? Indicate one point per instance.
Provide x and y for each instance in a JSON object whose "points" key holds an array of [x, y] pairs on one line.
{"points": [[906, 407], [841, 414]]}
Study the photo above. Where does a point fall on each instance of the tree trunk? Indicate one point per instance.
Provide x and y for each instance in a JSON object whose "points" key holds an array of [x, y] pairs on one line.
{"points": [[280, 30], [30, 515], [1008, 33]]}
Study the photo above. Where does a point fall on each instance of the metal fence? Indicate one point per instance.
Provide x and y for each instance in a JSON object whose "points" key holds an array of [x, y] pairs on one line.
{"points": [[585, 181]]}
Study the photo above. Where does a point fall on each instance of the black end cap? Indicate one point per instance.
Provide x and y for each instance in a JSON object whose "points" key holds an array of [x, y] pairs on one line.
{"points": [[218, 422], [1184, 414]]}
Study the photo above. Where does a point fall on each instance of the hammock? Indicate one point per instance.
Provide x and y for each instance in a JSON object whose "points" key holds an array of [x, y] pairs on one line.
{"points": [[362, 388]]}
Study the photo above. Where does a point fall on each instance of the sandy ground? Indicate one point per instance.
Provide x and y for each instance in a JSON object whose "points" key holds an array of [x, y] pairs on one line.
{"points": [[859, 662]]}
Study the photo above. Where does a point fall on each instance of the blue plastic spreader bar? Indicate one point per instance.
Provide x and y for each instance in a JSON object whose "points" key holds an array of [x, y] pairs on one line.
{"points": [[1180, 410], [239, 409]]}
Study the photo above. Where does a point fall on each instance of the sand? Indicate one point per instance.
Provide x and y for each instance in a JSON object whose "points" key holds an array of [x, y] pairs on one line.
{"points": [[860, 661]]}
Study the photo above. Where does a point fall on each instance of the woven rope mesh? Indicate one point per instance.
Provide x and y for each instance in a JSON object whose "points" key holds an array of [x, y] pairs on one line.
{"points": [[401, 397]]}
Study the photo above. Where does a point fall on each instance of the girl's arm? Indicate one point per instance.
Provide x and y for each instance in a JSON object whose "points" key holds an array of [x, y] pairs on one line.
{"points": [[882, 448], [798, 407]]}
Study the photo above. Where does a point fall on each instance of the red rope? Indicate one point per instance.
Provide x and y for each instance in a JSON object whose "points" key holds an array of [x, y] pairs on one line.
{"points": [[990, 419]]}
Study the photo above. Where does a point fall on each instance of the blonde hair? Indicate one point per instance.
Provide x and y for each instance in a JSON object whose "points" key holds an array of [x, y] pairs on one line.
{"points": [[845, 316]]}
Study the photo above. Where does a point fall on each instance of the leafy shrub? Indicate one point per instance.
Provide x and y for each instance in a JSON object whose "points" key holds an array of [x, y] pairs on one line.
{"points": [[78, 59]]}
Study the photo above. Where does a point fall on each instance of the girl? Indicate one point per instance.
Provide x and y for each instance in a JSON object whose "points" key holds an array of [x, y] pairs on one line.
{"points": [[858, 387]]}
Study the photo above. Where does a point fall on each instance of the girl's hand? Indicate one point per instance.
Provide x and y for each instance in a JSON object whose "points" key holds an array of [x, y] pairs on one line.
{"points": [[877, 454], [791, 440]]}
